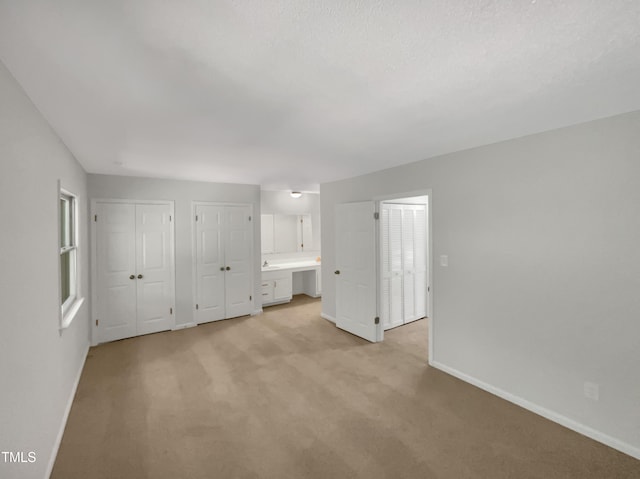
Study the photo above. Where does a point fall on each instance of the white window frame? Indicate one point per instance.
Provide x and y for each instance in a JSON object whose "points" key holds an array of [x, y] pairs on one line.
{"points": [[71, 305]]}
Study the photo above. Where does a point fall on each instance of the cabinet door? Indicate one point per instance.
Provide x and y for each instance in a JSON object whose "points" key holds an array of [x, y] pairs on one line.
{"points": [[282, 288], [210, 273], [154, 272], [238, 247], [116, 258]]}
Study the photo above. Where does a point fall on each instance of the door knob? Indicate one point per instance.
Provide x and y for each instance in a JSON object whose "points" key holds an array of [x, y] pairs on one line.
{"points": [[221, 268], [228, 268], [132, 277], [140, 276], [336, 271]]}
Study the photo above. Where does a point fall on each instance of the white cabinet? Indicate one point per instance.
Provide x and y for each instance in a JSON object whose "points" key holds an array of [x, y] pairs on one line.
{"points": [[404, 263], [276, 287], [134, 269], [223, 265]]}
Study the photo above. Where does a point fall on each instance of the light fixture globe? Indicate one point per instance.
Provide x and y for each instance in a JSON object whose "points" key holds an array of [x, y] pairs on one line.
{"points": [[296, 194]]}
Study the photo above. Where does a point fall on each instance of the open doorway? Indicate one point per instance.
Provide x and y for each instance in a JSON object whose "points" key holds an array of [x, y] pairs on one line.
{"points": [[403, 263], [368, 298]]}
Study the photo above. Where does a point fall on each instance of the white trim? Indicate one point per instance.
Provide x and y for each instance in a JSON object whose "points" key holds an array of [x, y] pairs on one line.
{"points": [[68, 310], [544, 412], [71, 313], [328, 317], [183, 326], [94, 255], [65, 417], [256, 312]]}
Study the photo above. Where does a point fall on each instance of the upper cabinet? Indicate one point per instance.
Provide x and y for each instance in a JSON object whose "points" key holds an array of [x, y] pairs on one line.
{"points": [[286, 233]]}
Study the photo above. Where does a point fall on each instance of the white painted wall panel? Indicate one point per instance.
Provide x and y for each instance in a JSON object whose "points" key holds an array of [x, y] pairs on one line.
{"points": [[40, 365], [541, 290]]}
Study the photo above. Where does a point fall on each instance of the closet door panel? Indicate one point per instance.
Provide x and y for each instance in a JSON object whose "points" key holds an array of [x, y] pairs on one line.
{"points": [[237, 250], [210, 263], [408, 263], [154, 275], [392, 306], [115, 248], [420, 235]]}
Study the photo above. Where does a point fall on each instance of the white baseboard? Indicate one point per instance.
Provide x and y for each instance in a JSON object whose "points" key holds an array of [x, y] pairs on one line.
{"points": [[256, 312], [327, 317], [65, 417], [544, 412], [183, 326]]}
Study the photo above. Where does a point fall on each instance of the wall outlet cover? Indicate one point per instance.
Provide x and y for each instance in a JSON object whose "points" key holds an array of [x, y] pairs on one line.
{"points": [[591, 391]]}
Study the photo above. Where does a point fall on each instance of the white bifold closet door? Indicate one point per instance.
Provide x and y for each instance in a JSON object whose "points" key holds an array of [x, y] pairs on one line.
{"points": [[404, 263], [135, 273], [224, 245]]}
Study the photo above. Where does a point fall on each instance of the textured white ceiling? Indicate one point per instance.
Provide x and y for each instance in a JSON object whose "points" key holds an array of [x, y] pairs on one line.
{"points": [[292, 93]]}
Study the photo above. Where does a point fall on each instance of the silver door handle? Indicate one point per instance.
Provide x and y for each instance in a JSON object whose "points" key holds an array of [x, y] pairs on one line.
{"points": [[132, 277], [140, 276], [336, 271]]}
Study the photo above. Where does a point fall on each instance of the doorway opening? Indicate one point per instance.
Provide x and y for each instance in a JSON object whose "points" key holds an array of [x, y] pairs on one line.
{"points": [[403, 260]]}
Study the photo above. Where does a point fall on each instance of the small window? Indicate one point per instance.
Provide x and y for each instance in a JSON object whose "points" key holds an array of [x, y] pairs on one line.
{"points": [[70, 299]]}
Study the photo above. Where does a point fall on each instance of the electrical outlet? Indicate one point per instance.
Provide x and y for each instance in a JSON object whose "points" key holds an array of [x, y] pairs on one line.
{"points": [[591, 391]]}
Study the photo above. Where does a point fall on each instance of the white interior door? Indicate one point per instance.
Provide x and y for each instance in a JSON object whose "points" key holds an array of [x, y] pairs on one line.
{"points": [[154, 271], [237, 251], [356, 270], [116, 271], [210, 266]]}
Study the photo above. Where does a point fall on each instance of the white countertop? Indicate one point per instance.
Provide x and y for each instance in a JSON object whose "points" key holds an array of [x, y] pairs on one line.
{"points": [[293, 266]]}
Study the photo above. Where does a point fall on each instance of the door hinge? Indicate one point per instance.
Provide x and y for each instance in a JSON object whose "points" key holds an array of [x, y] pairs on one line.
{"points": [[196, 217], [376, 320], [170, 310], [250, 297], [197, 307], [95, 218], [249, 218], [97, 321], [376, 216], [428, 289], [169, 217]]}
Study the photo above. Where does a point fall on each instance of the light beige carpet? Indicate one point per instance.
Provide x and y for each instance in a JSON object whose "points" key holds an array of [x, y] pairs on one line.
{"points": [[288, 395]]}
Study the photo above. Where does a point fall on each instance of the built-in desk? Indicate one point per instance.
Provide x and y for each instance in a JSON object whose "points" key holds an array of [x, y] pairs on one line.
{"points": [[277, 280]]}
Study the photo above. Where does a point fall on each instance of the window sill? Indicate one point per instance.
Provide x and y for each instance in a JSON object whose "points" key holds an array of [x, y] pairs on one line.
{"points": [[66, 320]]}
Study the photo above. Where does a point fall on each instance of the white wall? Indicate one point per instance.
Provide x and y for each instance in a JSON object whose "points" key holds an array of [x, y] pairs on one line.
{"points": [[542, 288], [183, 193], [281, 202], [39, 364]]}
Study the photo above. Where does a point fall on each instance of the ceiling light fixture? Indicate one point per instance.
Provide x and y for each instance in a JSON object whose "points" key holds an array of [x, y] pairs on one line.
{"points": [[296, 194]]}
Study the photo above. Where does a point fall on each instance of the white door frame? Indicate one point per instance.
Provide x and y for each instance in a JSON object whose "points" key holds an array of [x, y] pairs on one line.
{"points": [[94, 255], [194, 258], [378, 200]]}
